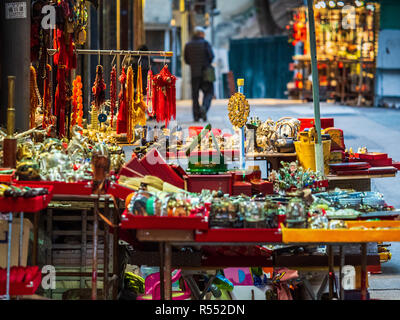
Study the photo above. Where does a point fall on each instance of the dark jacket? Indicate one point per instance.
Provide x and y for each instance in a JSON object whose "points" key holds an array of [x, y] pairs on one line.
{"points": [[198, 54]]}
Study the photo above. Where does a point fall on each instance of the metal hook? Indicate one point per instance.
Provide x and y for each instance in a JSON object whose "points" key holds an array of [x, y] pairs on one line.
{"points": [[123, 61], [139, 60], [165, 60], [99, 57], [112, 62]]}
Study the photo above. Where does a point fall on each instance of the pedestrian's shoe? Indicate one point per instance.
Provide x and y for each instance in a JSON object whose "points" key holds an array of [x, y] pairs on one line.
{"points": [[204, 117]]}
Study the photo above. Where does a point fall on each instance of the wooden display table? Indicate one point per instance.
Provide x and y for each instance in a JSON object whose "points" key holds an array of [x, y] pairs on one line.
{"points": [[356, 182]]}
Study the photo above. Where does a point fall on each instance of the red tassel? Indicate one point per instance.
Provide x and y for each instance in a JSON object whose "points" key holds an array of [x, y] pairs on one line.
{"points": [[99, 87], [60, 101], [122, 112], [164, 96]]}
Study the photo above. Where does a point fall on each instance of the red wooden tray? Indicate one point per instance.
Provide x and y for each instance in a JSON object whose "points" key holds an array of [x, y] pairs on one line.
{"points": [[352, 172], [396, 165], [130, 221], [198, 182], [7, 178], [239, 235], [321, 184], [22, 288], [119, 191], [81, 188], [310, 122], [372, 156], [349, 166], [381, 162], [382, 170], [20, 204]]}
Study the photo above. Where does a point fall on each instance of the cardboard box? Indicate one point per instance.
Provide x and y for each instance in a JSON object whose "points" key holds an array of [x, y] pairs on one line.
{"points": [[14, 242]]}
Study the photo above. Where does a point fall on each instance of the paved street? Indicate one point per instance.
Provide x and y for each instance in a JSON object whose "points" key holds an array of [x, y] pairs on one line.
{"points": [[377, 129]]}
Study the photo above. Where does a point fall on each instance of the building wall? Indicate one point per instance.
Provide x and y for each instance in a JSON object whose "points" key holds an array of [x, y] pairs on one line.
{"points": [[157, 12], [390, 12], [388, 67], [237, 20]]}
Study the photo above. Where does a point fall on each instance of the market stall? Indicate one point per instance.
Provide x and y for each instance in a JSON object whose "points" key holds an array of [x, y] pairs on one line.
{"points": [[346, 39], [219, 198]]}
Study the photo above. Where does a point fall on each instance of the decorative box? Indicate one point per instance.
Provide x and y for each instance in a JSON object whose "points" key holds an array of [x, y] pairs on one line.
{"points": [[241, 187]]}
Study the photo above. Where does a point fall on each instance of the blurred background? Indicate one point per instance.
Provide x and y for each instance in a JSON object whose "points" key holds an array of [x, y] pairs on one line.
{"points": [[265, 42]]}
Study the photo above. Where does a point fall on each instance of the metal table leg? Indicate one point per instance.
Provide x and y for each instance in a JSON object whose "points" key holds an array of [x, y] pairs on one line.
{"points": [[162, 263], [331, 271], [35, 238], [192, 286], [209, 283], [21, 232], [94, 262], [115, 250], [364, 274], [167, 273], [105, 251], [9, 255], [342, 261]]}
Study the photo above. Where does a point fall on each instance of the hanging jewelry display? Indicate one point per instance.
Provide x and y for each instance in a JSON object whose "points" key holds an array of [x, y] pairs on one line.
{"points": [[65, 60], [113, 94], [80, 107], [60, 100], [149, 94], [81, 18], [122, 110], [131, 104], [35, 99], [99, 93], [77, 106], [140, 105], [47, 115]]}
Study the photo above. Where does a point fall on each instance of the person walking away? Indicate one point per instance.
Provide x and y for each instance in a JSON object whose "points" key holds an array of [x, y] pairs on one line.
{"points": [[199, 55]]}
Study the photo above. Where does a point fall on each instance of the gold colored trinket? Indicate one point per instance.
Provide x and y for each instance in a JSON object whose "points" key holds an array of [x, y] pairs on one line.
{"points": [[239, 109]]}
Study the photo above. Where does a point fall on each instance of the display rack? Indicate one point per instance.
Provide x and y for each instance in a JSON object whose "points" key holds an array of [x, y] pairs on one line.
{"points": [[130, 221], [21, 205], [51, 52]]}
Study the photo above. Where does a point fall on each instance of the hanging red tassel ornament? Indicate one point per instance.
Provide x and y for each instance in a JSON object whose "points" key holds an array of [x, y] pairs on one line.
{"points": [[60, 96], [170, 83], [113, 94], [122, 112], [130, 99], [164, 95], [99, 87], [158, 97], [65, 60], [60, 100]]}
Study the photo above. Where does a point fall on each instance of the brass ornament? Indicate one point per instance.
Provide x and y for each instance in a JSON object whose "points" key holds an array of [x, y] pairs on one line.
{"points": [[239, 110]]}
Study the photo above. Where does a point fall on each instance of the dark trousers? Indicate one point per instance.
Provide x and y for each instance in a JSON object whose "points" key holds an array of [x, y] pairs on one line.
{"points": [[208, 91]]}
